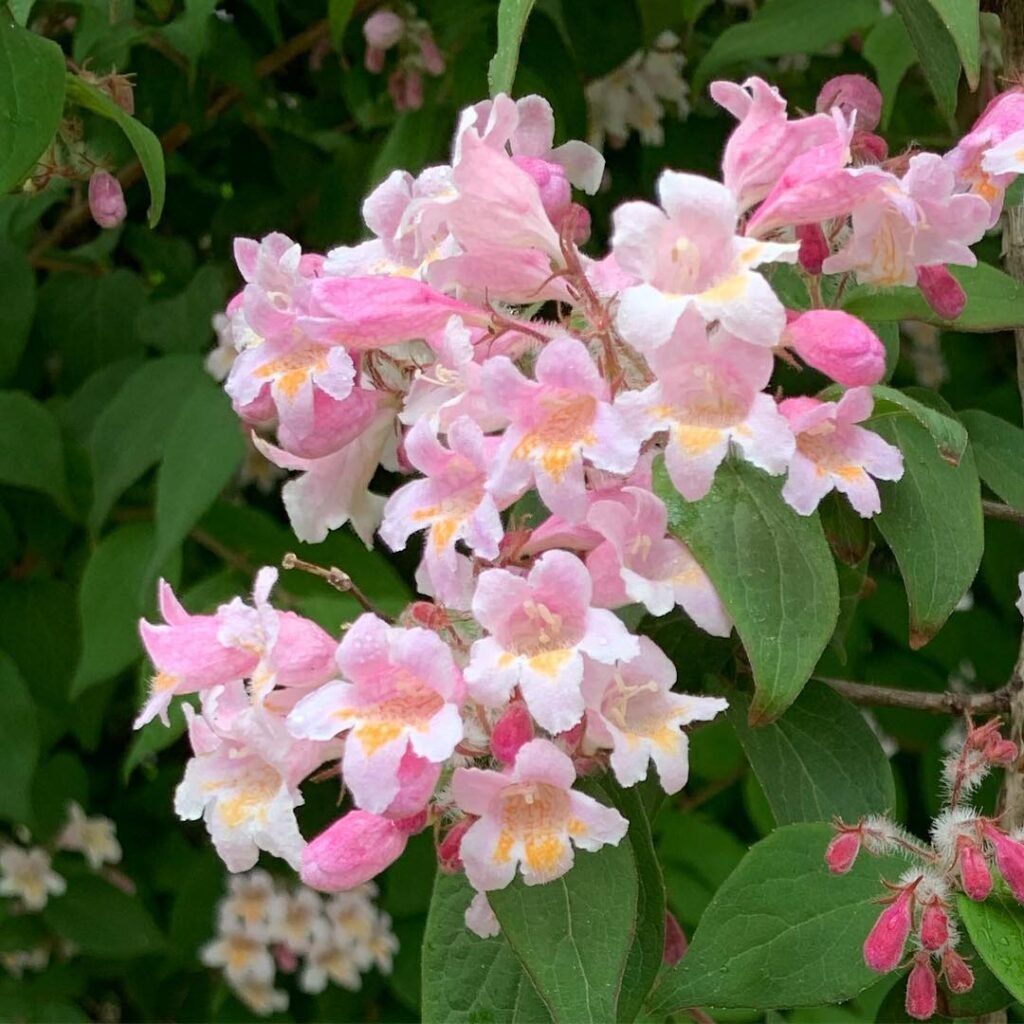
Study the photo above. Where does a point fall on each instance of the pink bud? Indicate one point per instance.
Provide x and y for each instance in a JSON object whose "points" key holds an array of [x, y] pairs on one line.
{"points": [[975, 876], [373, 60], [512, 730], [842, 851], [383, 29], [449, 859], [417, 778], [570, 739], [852, 93], [433, 61], [959, 977], [1009, 860], [922, 994], [675, 941], [1000, 751], [396, 88], [868, 148], [358, 846], [413, 90], [814, 247], [553, 185], [942, 291], [841, 346], [934, 926], [883, 947], [106, 200], [286, 958]]}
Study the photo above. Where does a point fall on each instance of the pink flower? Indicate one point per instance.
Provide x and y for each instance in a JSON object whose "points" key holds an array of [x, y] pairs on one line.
{"points": [[529, 817], [106, 200], [708, 394], [356, 848], [451, 502], [916, 220], [556, 422], [637, 562], [631, 708], [1009, 859], [852, 94], [922, 996], [832, 452], [765, 141], [687, 254], [400, 691], [883, 947], [540, 627], [839, 345], [383, 29]]}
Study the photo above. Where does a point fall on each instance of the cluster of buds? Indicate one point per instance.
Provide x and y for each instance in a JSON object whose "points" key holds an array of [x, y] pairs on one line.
{"points": [[265, 926], [410, 37], [471, 345], [921, 906]]}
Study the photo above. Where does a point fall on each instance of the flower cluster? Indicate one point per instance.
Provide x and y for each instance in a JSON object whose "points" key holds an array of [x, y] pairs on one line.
{"points": [[418, 54], [264, 926], [472, 345], [921, 907]]}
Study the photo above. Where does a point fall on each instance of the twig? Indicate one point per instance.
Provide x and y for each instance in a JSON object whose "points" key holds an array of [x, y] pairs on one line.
{"points": [[947, 703], [997, 510], [341, 581]]}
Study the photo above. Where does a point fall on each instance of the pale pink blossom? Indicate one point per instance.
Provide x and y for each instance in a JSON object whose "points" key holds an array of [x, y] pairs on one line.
{"points": [[638, 562], [400, 691], [832, 452], [707, 396], [632, 709], [529, 817], [686, 254], [383, 29], [555, 423], [480, 918], [540, 626]]}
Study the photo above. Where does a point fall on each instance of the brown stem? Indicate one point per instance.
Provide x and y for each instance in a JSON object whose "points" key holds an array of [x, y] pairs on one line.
{"points": [[997, 510], [948, 703], [341, 581]]}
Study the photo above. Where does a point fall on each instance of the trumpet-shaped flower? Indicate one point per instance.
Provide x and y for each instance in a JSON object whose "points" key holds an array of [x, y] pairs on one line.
{"points": [[540, 627], [556, 421], [400, 691], [833, 452], [630, 708], [529, 817], [686, 254]]}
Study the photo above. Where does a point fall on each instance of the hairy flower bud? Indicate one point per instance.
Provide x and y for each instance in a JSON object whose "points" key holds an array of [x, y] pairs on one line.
{"points": [[383, 29], [842, 851], [512, 730], [883, 947], [838, 344], [934, 926], [922, 994], [852, 93], [358, 846], [975, 876], [814, 247], [1009, 859], [1001, 751], [106, 200], [942, 291], [959, 977]]}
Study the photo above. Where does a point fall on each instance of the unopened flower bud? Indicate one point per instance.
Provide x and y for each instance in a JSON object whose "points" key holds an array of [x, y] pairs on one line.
{"points": [[814, 247], [934, 926], [448, 858], [417, 778], [975, 876], [286, 958], [358, 846], [106, 200], [431, 56], [959, 977], [868, 148], [942, 291], [373, 60], [1001, 751], [413, 99], [675, 941], [511, 731], [1009, 860], [841, 346], [383, 29], [843, 850], [553, 185], [852, 93], [922, 993], [883, 947]]}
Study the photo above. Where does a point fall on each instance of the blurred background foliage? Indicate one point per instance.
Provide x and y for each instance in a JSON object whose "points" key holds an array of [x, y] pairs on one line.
{"points": [[121, 461]]}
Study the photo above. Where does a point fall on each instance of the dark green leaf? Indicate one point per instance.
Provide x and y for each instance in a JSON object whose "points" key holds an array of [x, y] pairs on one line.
{"points": [[999, 452], [935, 49], [890, 52], [962, 21], [153, 737], [184, 323], [782, 931], [605, 34], [996, 928], [31, 451], [31, 100], [17, 307], [512, 17], [818, 761], [948, 433], [189, 33], [785, 598], [19, 743], [339, 13]]}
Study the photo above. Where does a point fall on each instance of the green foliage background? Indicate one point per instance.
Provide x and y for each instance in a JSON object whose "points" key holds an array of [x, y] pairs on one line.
{"points": [[120, 458]]}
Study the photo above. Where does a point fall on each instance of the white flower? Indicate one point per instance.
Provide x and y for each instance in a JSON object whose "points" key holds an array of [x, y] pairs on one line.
{"points": [[242, 957], [294, 918], [261, 997], [383, 945], [248, 902], [27, 874], [330, 960], [95, 838]]}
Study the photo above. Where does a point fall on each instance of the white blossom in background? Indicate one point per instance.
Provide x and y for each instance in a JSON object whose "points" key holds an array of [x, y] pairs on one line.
{"points": [[17, 961], [636, 96], [26, 875], [94, 838], [266, 928]]}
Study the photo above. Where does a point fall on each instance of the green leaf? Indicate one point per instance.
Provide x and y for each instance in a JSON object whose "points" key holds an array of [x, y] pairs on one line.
{"points": [[782, 931], [605, 34], [415, 139], [996, 928], [782, 27], [144, 142], [102, 920], [31, 451], [17, 306], [818, 761], [949, 434], [466, 979], [153, 737], [999, 451], [189, 33], [130, 434], [204, 449], [962, 20], [932, 520], [339, 14], [183, 323], [31, 100], [20, 10], [936, 50], [109, 606], [771, 567], [995, 302], [512, 18], [890, 52], [19, 743]]}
